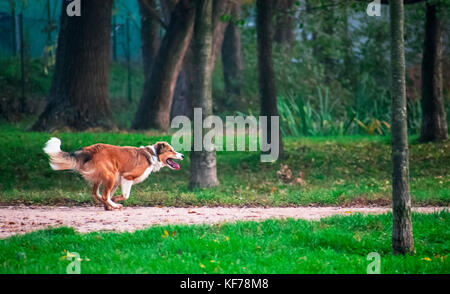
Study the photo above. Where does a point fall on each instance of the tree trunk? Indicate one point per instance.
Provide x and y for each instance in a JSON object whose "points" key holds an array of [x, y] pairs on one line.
{"points": [[284, 23], [267, 88], [182, 98], [232, 56], [79, 93], [434, 123], [348, 49], [149, 35], [219, 8], [154, 107], [402, 236], [203, 163], [13, 29]]}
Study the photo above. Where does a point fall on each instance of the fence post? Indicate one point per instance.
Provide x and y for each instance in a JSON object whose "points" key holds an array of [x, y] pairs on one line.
{"points": [[22, 65], [128, 59], [49, 24], [114, 49], [13, 29]]}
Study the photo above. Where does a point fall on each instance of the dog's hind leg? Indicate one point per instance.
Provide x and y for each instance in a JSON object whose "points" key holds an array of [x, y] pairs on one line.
{"points": [[108, 186], [96, 193]]}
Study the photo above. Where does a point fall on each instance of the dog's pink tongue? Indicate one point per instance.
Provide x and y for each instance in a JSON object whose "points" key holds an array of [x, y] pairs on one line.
{"points": [[176, 165]]}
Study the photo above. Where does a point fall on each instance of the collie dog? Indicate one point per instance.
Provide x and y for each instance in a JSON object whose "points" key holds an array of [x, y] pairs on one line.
{"points": [[108, 165]]}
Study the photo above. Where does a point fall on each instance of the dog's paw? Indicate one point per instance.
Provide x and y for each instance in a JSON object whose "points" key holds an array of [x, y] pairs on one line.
{"points": [[117, 207]]}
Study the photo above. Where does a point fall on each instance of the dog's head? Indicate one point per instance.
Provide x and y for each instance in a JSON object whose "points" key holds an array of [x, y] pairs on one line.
{"points": [[166, 155]]}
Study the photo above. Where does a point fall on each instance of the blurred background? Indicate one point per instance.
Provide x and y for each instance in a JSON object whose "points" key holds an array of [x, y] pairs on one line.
{"points": [[331, 63]]}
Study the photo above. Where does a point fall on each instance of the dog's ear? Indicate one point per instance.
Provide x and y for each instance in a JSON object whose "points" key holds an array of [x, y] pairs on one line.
{"points": [[160, 147]]}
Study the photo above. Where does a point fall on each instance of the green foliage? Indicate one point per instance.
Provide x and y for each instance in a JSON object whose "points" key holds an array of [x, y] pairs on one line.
{"points": [[333, 245], [298, 116], [37, 83]]}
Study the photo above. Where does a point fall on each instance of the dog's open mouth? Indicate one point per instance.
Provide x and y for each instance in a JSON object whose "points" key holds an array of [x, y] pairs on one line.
{"points": [[172, 164]]}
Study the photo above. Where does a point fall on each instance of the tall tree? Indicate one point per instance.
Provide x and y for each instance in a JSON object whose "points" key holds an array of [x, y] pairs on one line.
{"points": [[266, 75], [402, 235], [79, 93], [203, 163], [220, 8], [231, 54], [149, 34], [284, 22], [154, 108], [434, 122], [182, 100]]}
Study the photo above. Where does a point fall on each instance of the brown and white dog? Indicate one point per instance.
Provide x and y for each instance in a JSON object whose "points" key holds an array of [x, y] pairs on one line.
{"points": [[108, 165]]}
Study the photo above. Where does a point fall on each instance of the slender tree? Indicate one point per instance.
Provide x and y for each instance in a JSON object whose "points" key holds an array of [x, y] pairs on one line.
{"points": [[402, 235], [203, 163], [267, 88], [149, 35], [231, 55], [182, 97], [284, 22], [182, 100], [13, 28], [154, 108], [220, 8], [434, 122], [79, 93]]}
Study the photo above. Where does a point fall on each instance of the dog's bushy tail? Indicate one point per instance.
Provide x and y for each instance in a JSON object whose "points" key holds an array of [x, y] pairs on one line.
{"points": [[59, 160]]}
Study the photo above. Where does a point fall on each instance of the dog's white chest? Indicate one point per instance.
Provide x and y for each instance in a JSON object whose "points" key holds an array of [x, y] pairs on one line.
{"points": [[143, 176]]}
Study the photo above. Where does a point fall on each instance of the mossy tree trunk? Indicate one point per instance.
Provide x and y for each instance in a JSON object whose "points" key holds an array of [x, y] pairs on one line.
{"points": [[434, 122], [284, 22], [266, 75], [154, 107], [79, 92], [182, 100], [203, 163], [149, 35], [402, 235], [232, 56]]}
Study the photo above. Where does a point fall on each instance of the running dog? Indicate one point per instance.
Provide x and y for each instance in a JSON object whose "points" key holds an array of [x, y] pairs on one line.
{"points": [[108, 165]]}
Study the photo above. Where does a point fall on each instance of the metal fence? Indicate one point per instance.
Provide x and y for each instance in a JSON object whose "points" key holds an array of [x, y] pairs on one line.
{"points": [[37, 23]]}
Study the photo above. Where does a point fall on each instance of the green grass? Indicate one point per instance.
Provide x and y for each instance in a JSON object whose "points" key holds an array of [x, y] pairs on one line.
{"points": [[333, 245], [337, 171]]}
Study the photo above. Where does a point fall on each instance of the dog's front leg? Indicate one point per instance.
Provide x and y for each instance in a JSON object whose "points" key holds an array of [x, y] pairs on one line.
{"points": [[126, 190]]}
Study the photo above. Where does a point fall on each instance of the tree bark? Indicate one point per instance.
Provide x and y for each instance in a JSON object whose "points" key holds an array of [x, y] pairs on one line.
{"points": [[149, 35], [203, 163], [434, 122], [266, 76], [79, 93], [154, 107], [402, 235], [182, 98], [232, 56], [219, 8], [284, 22]]}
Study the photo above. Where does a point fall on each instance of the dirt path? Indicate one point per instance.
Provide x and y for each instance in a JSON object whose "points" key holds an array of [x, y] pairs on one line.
{"points": [[22, 219]]}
